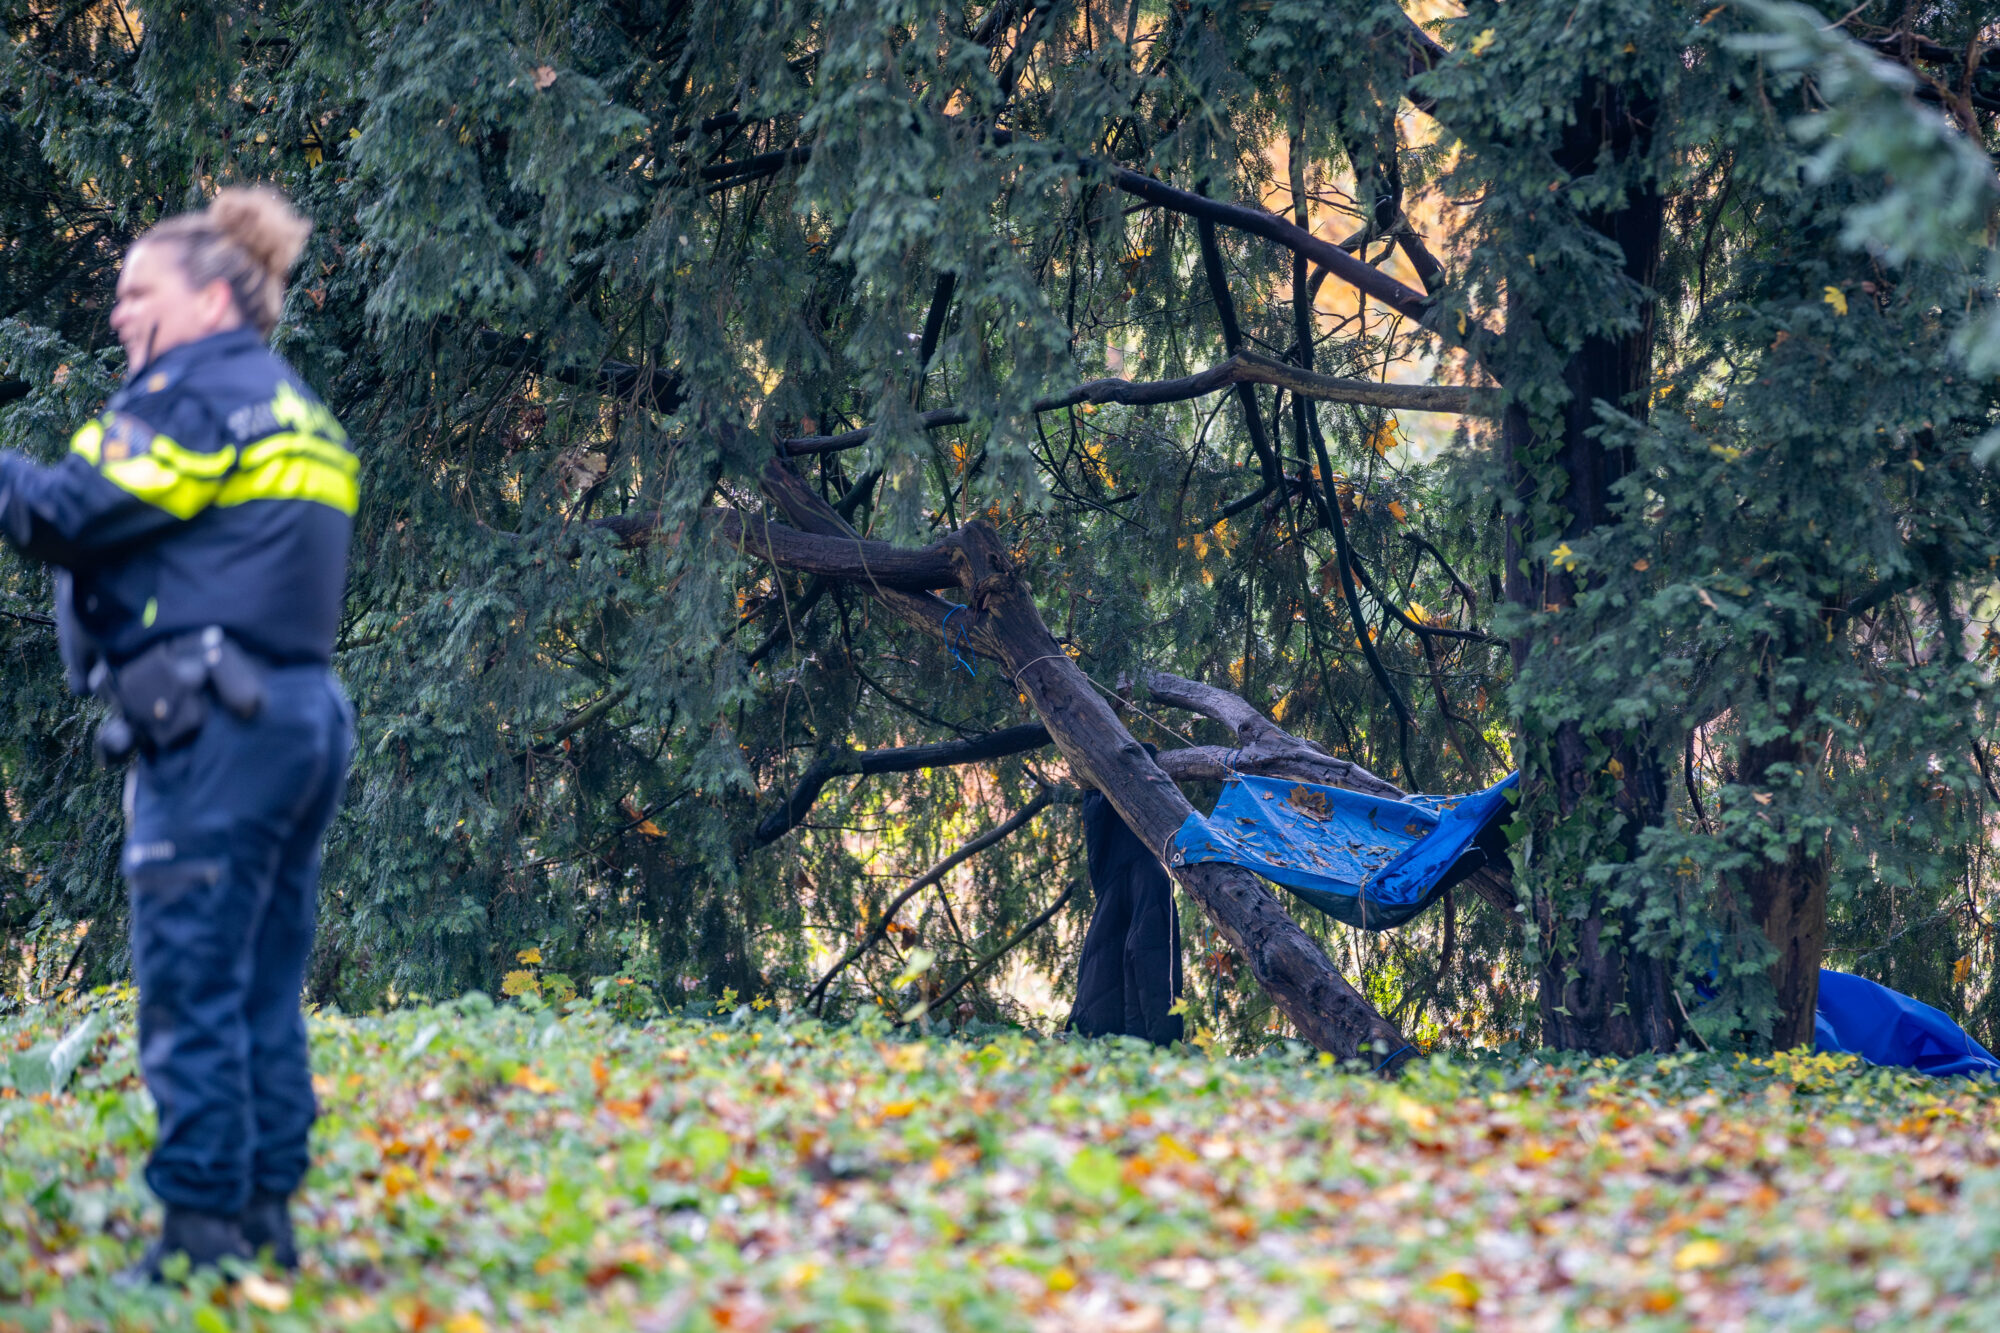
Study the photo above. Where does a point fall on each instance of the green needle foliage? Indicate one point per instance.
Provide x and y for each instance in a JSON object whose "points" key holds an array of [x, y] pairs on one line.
{"points": [[580, 260]]}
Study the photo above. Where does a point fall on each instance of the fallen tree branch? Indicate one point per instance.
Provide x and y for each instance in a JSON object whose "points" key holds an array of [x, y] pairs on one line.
{"points": [[905, 759], [1001, 621], [937, 872]]}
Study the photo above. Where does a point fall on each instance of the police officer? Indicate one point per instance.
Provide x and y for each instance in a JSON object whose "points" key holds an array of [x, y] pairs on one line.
{"points": [[199, 528]]}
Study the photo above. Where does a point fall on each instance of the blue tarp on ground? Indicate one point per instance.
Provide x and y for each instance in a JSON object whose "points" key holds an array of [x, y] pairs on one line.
{"points": [[1363, 860], [1886, 1027]]}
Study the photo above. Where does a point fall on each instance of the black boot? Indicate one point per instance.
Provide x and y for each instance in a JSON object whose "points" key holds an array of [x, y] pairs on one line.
{"points": [[205, 1238], [267, 1222]]}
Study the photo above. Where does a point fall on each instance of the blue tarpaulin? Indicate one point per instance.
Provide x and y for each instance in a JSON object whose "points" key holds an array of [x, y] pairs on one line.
{"points": [[1364, 860], [1376, 863], [1886, 1027]]}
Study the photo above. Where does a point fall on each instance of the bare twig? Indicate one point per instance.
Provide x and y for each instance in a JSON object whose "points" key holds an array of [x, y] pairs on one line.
{"points": [[933, 875]]}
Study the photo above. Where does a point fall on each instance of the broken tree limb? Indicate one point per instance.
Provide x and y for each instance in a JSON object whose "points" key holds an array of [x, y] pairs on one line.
{"points": [[905, 759], [937, 872], [920, 610], [1002, 623], [1243, 368], [1293, 970]]}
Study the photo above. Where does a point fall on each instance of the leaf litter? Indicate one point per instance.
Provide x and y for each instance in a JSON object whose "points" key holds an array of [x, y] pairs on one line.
{"points": [[551, 1167]]}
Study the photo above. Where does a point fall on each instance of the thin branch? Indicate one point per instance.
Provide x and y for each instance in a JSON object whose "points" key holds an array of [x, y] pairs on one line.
{"points": [[990, 959], [933, 875], [856, 558], [1241, 370], [907, 759]]}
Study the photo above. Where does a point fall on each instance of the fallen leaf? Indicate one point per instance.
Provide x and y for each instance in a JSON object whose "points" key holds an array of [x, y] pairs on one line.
{"points": [[1702, 1253], [264, 1293]]}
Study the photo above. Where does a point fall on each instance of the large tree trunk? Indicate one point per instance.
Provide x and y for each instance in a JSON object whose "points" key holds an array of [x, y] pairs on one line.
{"points": [[1788, 897], [1002, 622], [1598, 994]]}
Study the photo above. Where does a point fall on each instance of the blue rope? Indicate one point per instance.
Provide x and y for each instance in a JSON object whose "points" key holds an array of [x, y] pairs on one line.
{"points": [[1406, 1046], [944, 627]]}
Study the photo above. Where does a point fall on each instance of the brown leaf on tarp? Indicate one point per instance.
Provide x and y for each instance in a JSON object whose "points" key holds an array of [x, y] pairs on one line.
{"points": [[1309, 802]]}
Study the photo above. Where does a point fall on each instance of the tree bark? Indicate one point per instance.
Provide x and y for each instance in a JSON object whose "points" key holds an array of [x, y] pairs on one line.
{"points": [[1788, 897], [1599, 994]]}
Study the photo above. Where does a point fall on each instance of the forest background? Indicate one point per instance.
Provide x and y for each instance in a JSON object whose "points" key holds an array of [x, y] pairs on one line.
{"points": [[1607, 392]]}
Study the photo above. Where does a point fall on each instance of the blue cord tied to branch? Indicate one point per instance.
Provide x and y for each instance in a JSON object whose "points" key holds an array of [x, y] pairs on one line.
{"points": [[964, 640], [1406, 1046]]}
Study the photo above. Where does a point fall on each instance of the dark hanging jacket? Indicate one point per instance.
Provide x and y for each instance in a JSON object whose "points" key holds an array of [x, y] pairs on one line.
{"points": [[215, 489], [1130, 973]]}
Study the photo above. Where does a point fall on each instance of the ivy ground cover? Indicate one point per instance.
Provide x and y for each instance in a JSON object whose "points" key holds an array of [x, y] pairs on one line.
{"points": [[529, 1166]]}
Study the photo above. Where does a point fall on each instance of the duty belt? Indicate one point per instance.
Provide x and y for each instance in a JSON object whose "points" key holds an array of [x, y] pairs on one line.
{"points": [[160, 698]]}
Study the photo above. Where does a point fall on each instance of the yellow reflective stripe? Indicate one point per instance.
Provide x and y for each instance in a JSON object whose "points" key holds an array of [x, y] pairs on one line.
{"points": [[296, 476], [88, 441], [298, 442], [150, 479], [166, 476], [201, 467]]}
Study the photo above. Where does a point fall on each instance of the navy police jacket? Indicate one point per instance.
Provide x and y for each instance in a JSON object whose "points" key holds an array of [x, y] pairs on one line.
{"points": [[215, 489]]}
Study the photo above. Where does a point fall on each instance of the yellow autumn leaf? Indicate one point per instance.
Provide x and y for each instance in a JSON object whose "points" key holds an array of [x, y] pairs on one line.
{"points": [[1483, 40], [1456, 1287], [529, 956], [1960, 970], [1418, 1116], [520, 983], [1702, 1253], [1061, 1279], [1837, 299], [898, 1110], [1563, 558], [1383, 438], [526, 1077], [1397, 512], [466, 1321], [1616, 770]]}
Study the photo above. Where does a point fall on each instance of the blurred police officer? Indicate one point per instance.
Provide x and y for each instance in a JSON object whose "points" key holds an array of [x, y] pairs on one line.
{"points": [[199, 528]]}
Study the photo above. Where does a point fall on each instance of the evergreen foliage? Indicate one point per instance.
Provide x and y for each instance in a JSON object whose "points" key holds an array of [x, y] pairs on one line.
{"points": [[585, 259]]}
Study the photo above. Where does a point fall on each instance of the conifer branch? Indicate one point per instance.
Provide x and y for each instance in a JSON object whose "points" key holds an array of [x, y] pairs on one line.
{"points": [[1244, 368]]}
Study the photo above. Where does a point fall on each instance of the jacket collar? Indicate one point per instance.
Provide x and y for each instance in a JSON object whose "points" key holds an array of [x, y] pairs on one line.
{"points": [[175, 361]]}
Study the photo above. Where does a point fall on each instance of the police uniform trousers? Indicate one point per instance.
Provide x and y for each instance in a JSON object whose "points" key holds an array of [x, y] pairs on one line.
{"points": [[222, 859]]}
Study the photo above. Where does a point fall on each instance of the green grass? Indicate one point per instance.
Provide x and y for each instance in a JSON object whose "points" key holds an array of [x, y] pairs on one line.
{"points": [[510, 1167]]}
